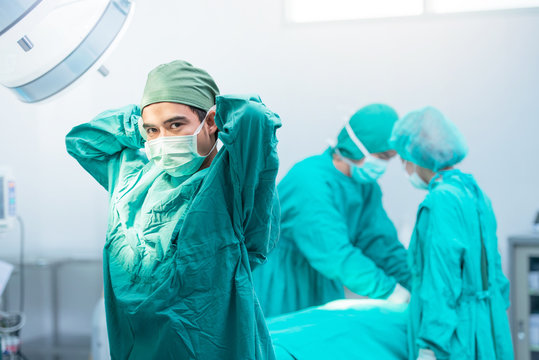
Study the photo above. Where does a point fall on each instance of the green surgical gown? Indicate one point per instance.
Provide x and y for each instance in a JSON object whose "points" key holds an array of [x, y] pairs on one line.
{"points": [[179, 251], [334, 233], [455, 311]]}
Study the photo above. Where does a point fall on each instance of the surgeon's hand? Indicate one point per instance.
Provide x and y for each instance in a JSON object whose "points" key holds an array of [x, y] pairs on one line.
{"points": [[426, 354], [400, 295]]}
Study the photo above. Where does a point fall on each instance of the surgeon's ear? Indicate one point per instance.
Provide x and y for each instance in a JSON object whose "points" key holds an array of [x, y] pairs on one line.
{"points": [[210, 122]]}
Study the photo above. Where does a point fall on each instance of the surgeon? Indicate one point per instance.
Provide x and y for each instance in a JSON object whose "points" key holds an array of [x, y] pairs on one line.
{"points": [[459, 292], [334, 230], [187, 222]]}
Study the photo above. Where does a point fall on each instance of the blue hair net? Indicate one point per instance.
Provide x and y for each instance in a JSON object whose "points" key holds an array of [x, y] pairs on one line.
{"points": [[427, 138]]}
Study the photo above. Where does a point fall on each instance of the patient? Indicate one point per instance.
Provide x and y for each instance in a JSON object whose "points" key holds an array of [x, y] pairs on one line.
{"points": [[342, 329]]}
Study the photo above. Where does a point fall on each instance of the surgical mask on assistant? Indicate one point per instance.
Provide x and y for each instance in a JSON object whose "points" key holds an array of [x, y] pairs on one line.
{"points": [[371, 169], [415, 179]]}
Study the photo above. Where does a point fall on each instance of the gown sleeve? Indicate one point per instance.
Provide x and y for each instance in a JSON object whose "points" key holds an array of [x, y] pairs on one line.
{"points": [[441, 285], [323, 237], [380, 236], [247, 129], [98, 145]]}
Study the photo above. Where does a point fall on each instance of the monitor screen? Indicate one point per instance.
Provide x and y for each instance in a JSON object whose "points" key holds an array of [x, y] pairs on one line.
{"points": [[3, 196]]}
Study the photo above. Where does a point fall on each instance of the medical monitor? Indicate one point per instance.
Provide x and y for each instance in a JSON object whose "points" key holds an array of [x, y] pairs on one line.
{"points": [[7, 199]]}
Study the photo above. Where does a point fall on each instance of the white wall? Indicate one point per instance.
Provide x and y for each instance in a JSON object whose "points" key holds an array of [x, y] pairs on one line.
{"points": [[480, 69]]}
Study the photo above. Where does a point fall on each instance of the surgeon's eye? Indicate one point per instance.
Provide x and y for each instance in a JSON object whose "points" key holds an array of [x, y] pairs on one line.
{"points": [[151, 131], [175, 125]]}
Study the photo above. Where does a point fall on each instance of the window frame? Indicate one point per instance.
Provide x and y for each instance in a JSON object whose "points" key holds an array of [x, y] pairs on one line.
{"points": [[427, 13]]}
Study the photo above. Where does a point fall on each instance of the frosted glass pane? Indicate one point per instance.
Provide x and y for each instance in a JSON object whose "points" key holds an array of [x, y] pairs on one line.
{"points": [[448, 6], [331, 10]]}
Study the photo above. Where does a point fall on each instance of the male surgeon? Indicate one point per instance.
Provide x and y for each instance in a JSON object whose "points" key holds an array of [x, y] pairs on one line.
{"points": [[335, 232], [187, 223]]}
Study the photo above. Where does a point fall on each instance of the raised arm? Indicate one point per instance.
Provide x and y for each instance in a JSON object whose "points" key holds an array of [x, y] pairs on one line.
{"points": [[98, 144], [247, 129]]}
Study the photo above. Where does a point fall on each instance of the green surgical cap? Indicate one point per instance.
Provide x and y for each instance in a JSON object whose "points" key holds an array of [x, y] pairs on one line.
{"points": [[372, 125], [427, 138], [182, 83]]}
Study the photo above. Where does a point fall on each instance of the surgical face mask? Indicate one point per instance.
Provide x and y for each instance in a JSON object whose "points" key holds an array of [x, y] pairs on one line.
{"points": [[415, 179], [372, 168], [417, 182], [369, 171], [177, 155]]}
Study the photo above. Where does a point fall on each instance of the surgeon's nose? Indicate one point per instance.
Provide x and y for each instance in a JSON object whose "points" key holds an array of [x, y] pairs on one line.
{"points": [[166, 132]]}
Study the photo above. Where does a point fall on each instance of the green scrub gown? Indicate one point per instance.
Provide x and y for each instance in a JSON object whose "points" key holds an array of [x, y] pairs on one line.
{"points": [[179, 251], [458, 307], [334, 233]]}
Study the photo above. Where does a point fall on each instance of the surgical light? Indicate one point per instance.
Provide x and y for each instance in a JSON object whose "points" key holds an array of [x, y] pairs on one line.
{"points": [[46, 45]]}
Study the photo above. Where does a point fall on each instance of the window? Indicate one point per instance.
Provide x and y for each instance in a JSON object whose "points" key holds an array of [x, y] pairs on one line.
{"points": [[301, 11], [452, 6], [330, 10]]}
